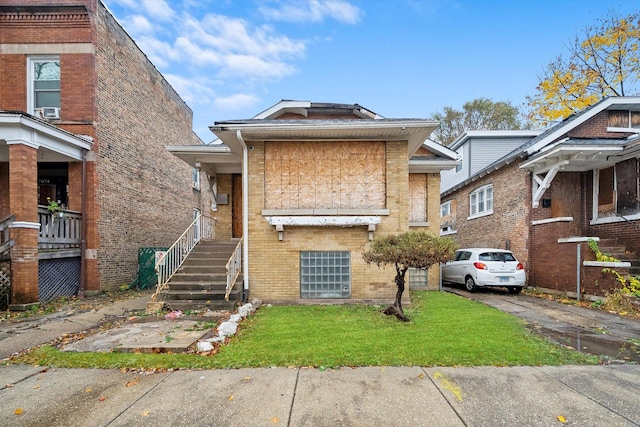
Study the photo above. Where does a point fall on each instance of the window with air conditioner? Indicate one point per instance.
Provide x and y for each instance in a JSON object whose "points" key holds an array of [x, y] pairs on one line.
{"points": [[195, 178], [44, 87]]}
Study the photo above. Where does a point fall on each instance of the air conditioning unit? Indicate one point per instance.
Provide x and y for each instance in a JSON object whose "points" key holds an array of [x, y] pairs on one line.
{"points": [[50, 113]]}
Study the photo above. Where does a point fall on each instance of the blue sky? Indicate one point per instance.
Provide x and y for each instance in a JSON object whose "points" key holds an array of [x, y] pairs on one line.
{"points": [[231, 59]]}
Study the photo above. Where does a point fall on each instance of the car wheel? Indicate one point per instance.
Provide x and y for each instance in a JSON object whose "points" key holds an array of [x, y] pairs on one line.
{"points": [[469, 284], [515, 289]]}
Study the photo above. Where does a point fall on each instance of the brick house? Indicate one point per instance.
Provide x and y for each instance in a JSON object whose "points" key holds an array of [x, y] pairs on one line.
{"points": [[543, 200], [84, 118], [310, 184]]}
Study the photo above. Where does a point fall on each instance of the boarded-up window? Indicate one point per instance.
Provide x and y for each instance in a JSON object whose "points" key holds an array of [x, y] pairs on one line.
{"points": [[619, 119], [627, 187], [325, 175], [418, 197], [624, 119], [605, 191]]}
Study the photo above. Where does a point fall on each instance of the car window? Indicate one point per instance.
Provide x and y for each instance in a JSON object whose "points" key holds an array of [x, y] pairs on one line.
{"points": [[496, 256], [463, 256]]}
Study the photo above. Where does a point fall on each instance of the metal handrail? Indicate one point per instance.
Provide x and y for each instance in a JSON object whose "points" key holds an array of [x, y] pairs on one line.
{"points": [[234, 265], [202, 228]]}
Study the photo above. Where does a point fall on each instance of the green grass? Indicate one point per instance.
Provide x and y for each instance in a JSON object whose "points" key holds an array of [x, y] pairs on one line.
{"points": [[445, 330]]}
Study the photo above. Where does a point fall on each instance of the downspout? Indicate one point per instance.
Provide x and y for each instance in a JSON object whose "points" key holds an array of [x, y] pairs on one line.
{"points": [[245, 216], [83, 225]]}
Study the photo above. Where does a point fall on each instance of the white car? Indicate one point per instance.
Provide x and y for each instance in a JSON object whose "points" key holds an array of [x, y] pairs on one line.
{"points": [[480, 267]]}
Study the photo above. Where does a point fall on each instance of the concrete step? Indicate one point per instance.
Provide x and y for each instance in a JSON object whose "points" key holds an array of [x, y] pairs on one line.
{"points": [[199, 305]]}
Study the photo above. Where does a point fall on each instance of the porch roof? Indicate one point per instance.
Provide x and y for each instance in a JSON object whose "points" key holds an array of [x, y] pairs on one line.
{"points": [[414, 131], [579, 155], [212, 158], [53, 143]]}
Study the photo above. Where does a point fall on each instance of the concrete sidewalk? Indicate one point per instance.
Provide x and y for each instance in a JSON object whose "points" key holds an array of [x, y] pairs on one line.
{"points": [[393, 396]]}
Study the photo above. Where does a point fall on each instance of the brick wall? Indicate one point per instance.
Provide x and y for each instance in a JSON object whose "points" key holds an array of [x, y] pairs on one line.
{"points": [[274, 265], [510, 219], [224, 212], [596, 127], [144, 193]]}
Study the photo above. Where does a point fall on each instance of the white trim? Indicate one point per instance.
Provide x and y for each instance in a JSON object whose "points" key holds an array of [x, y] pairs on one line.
{"points": [[317, 212], [30, 86], [480, 215], [577, 239], [612, 219], [551, 220], [606, 264], [623, 130], [419, 223], [323, 221], [446, 233], [25, 224]]}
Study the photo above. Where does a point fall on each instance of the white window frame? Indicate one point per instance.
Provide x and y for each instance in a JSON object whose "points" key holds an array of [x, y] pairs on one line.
{"points": [[195, 178], [446, 204], [459, 164], [31, 99], [487, 202], [595, 218]]}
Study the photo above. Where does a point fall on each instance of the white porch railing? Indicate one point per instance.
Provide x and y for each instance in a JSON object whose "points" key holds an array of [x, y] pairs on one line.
{"points": [[59, 231], [234, 265], [5, 242], [203, 227]]}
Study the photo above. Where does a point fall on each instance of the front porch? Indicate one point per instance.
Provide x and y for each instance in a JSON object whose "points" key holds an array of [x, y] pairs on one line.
{"points": [[42, 254]]}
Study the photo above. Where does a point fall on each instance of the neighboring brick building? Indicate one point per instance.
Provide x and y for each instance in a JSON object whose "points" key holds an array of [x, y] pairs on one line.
{"points": [[320, 181], [574, 181], [85, 119]]}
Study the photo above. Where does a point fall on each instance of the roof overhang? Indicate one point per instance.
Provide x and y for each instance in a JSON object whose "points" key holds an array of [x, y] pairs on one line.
{"points": [[210, 158], [573, 158], [431, 166], [53, 143], [414, 131]]}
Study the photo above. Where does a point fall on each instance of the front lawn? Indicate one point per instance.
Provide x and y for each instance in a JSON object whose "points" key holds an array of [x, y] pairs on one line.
{"points": [[445, 330]]}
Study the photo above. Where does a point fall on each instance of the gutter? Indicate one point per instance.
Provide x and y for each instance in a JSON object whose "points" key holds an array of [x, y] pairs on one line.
{"points": [[245, 216], [83, 226]]}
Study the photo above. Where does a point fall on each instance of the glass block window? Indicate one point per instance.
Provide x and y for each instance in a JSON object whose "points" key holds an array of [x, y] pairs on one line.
{"points": [[325, 274], [418, 278]]}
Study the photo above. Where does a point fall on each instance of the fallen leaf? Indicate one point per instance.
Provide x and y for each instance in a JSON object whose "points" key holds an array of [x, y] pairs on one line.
{"points": [[421, 376], [9, 385], [36, 387], [562, 418], [102, 398], [247, 379], [133, 382], [275, 420], [87, 390], [146, 413], [231, 397], [19, 411]]}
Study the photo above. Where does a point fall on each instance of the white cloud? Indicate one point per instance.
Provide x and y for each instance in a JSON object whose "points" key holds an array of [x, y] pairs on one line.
{"points": [[158, 9], [313, 11], [238, 101], [196, 91], [138, 24], [159, 52]]}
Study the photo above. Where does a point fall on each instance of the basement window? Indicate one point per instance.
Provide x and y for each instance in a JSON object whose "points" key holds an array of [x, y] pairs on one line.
{"points": [[325, 274]]}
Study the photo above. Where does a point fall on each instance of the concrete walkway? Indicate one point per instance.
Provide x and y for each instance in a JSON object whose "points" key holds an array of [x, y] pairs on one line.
{"points": [[606, 395]]}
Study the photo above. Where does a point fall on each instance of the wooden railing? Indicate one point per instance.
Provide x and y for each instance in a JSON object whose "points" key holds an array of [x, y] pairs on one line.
{"points": [[61, 230], [203, 227], [233, 269], [5, 242]]}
